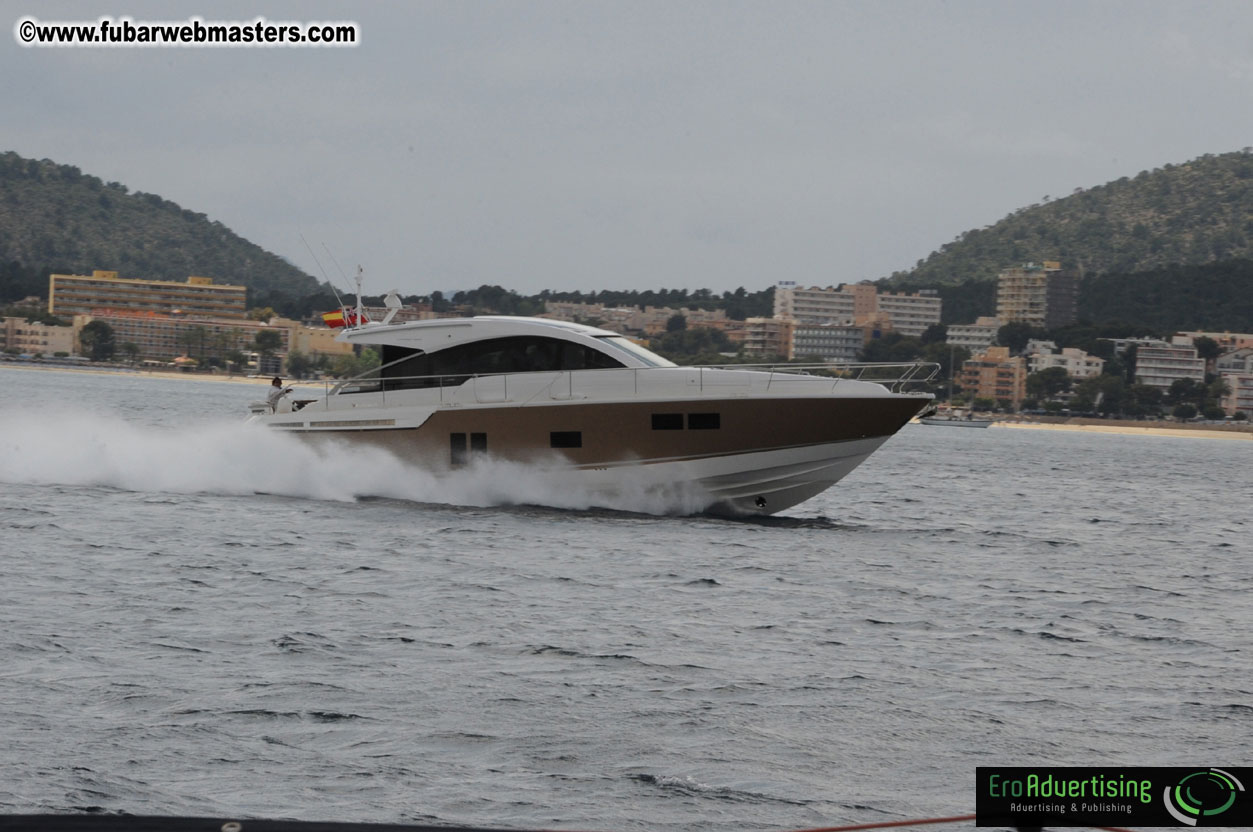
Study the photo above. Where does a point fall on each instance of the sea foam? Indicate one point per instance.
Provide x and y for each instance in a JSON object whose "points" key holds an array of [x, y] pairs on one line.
{"points": [[70, 447]]}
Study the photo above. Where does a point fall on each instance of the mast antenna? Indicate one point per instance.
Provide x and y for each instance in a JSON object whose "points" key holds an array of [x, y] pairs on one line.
{"points": [[360, 276]]}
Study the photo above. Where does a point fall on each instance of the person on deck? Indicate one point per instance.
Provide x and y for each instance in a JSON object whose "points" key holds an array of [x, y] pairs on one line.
{"points": [[277, 391]]}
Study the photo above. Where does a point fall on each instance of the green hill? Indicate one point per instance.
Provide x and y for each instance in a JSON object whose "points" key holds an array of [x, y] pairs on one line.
{"points": [[1189, 214], [56, 218], [1211, 296]]}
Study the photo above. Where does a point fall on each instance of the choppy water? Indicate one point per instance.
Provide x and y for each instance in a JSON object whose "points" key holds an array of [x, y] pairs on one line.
{"points": [[197, 619]]}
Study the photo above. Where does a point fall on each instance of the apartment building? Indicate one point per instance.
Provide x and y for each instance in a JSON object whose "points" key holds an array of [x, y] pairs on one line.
{"points": [[1040, 295], [1236, 361], [655, 320], [315, 340], [16, 334], [1121, 345], [858, 303], [570, 311], [1161, 365], [650, 321], [995, 375], [1077, 363], [817, 306], [1240, 397], [1226, 341], [768, 336], [166, 337], [910, 315], [70, 295], [975, 337], [827, 342]]}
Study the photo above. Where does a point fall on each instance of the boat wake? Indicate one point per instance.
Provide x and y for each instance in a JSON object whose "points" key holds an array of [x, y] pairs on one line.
{"points": [[84, 449]]}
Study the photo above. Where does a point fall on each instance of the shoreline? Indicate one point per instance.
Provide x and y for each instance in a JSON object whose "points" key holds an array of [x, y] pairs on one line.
{"points": [[1132, 430], [128, 372]]}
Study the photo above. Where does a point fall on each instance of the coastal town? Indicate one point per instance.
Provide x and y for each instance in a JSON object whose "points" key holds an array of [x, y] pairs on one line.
{"points": [[995, 363]]}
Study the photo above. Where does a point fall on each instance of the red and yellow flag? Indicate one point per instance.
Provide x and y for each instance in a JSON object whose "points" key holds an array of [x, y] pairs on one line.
{"points": [[340, 317]]}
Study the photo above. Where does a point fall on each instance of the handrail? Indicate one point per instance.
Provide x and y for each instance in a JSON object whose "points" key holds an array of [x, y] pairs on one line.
{"points": [[909, 372], [906, 373]]}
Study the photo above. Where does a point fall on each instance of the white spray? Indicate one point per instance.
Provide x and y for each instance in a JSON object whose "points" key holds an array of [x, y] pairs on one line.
{"points": [[79, 448]]}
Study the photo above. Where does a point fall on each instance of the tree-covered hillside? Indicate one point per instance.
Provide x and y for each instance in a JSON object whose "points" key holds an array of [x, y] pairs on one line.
{"points": [[1197, 212], [1212, 296], [54, 217], [1217, 297]]}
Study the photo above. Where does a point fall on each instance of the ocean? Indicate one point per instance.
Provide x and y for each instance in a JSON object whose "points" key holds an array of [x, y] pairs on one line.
{"points": [[199, 619]]}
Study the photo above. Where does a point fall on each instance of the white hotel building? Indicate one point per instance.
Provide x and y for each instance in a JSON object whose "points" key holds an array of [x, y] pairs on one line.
{"points": [[857, 303], [975, 337], [1076, 362], [1161, 364]]}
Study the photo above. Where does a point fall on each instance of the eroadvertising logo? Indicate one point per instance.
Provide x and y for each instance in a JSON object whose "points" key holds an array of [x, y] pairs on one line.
{"points": [[1113, 796]]}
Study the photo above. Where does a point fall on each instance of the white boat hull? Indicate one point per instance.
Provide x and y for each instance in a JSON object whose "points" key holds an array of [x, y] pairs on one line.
{"points": [[757, 483], [956, 423]]}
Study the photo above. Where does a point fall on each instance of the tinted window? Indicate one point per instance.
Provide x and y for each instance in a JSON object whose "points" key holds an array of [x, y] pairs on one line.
{"points": [[566, 439], [704, 421], [667, 421], [649, 359], [519, 354], [583, 357]]}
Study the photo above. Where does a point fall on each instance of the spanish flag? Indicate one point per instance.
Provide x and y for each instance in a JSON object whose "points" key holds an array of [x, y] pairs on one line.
{"points": [[340, 317]]}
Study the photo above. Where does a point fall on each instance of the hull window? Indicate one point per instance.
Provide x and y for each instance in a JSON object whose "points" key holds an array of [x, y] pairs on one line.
{"points": [[567, 439], [478, 443], [704, 421], [667, 421], [457, 445]]}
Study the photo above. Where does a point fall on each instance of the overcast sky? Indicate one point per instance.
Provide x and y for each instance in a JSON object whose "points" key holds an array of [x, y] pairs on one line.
{"points": [[634, 145]]}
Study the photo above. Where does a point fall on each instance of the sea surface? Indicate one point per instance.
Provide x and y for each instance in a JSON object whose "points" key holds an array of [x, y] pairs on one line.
{"points": [[200, 619]]}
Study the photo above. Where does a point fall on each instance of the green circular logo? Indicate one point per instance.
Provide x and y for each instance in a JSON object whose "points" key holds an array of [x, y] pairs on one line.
{"points": [[1202, 795]]}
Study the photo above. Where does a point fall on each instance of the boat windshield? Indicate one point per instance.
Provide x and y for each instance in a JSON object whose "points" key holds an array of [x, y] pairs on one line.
{"points": [[409, 367], [650, 359]]}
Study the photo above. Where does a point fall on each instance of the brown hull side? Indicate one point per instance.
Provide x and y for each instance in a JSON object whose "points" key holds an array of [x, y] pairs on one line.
{"points": [[623, 432]]}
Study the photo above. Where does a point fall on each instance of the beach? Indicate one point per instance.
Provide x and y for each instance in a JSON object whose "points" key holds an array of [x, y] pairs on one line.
{"points": [[1125, 428], [130, 372]]}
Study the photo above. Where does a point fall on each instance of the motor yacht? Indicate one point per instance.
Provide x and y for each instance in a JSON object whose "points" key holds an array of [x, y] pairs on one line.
{"points": [[955, 418], [744, 440]]}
